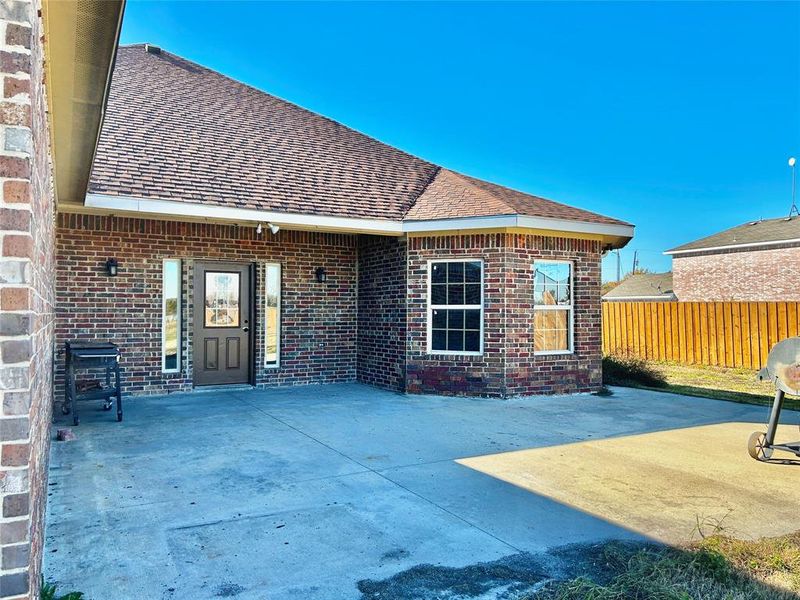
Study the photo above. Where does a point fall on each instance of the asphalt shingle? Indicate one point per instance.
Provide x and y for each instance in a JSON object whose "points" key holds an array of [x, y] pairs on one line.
{"points": [[175, 130], [752, 232]]}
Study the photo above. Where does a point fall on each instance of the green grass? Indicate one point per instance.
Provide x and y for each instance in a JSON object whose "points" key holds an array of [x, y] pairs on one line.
{"points": [[716, 568], [720, 383]]}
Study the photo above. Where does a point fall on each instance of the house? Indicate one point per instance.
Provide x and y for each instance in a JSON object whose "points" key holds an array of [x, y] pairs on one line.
{"points": [[56, 61], [755, 261], [643, 287], [231, 238], [261, 244]]}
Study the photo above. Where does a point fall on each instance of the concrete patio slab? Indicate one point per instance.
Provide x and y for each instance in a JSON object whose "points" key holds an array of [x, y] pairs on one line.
{"points": [[305, 492], [667, 485]]}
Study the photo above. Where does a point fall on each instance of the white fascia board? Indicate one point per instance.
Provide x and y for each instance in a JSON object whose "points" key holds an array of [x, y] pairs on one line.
{"points": [[733, 246], [208, 211], [386, 226], [521, 221], [460, 223]]}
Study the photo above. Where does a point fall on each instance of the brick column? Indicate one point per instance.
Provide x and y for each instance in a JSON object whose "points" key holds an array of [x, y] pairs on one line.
{"points": [[26, 299]]}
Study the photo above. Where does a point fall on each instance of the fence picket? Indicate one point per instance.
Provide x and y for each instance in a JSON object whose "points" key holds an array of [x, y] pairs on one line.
{"points": [[728, 334]]}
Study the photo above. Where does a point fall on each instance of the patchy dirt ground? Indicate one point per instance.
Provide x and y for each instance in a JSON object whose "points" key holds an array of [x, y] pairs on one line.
{"points": [[714, 568], [514, 577]]}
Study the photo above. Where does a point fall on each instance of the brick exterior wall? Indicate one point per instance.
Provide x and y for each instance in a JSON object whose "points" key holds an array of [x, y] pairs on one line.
{"points": [[368, 322], [318, 334], [474, 375], [754, 275], [508, 365], [26, 299], [577, 372], [381, 311]]}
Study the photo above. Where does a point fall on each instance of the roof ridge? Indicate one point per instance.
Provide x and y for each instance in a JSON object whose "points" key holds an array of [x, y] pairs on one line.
{"points": [[431, 179]]}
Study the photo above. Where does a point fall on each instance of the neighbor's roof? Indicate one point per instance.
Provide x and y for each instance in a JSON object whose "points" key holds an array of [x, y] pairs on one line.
{"points": [[766, 232], [643, 286], [175, 130]]}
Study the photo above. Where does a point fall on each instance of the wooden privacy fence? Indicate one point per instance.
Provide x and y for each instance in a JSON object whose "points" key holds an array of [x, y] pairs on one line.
{"points": [[726, 334]]}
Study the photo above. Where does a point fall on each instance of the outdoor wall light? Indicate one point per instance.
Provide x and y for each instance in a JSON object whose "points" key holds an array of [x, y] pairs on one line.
{"points": [[272, 227], [322, 276], [112, 267]]}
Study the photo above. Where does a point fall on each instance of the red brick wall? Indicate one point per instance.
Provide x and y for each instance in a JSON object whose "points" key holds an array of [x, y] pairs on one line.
{"points": [[318, 319], [577, 372], [26, 300], [507, 366], [439, 373], [756, 275], [381, 311]]}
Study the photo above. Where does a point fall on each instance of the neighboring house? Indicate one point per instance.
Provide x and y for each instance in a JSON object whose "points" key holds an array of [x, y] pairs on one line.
{"points": [[756, 261], [386, 269], [643, 287], [56, 62]]}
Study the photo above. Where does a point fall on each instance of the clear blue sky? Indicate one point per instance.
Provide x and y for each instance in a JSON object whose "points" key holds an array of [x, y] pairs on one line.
{"points": [[676, 116]]}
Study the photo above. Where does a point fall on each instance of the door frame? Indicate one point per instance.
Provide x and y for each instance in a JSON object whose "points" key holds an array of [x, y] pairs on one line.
{"points": [[254, 316]]}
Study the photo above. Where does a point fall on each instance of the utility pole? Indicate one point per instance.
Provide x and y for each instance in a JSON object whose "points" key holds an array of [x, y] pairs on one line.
{"points": [[793, 210], [635, 260], [619, 267]]}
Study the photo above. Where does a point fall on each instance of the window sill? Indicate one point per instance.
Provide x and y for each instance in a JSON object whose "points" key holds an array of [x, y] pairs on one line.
{"points": [[452, 353], [555, 353]]}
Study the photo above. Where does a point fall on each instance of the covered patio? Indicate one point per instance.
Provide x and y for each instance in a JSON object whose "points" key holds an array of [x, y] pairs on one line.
{"points": [[335, 491]]}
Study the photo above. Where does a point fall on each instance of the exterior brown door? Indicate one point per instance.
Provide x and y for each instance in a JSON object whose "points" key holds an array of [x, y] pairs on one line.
{"points": [[222, 323]]}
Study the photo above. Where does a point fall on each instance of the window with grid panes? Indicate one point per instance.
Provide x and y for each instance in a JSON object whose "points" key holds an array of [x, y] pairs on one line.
{"points": [[455, 314]]}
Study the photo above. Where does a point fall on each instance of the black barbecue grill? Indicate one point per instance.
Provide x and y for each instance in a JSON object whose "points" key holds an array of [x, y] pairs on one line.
{"points": [[92, 356]]}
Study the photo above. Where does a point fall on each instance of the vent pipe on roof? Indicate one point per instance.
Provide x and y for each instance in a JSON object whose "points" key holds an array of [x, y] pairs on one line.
{"points": [[152, 49]]}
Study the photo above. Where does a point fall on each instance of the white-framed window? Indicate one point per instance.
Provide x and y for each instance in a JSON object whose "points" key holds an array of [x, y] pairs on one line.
{"points": [[171, 315], [553, 307], [455, 306], [272, 315]]}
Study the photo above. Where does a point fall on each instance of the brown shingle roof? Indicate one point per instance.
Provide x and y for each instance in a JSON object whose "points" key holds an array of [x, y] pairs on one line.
{"points": [[452, 195], [175, 130], [643, 285], [751, 233]]}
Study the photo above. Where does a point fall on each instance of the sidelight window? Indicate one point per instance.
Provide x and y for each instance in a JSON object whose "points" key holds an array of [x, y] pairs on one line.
{"points": [[272, 313], [171, 315]]}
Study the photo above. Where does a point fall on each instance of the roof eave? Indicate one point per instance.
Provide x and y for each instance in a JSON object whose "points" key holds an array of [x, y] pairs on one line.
{"points": [[80, 41], [684, 250], [613, 235]]}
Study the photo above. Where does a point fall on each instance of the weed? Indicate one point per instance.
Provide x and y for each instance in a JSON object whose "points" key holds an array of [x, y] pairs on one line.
{"points": [[49, 592], [630, 370]]}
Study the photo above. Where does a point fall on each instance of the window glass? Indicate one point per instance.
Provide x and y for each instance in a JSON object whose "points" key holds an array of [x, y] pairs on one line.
{"points": [[171, 315], [456, 306], [272, 281], [222, 299], [552, 314]]}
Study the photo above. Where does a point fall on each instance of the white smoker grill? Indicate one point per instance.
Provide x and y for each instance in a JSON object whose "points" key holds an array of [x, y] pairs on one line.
{"points": [[783, 370]]}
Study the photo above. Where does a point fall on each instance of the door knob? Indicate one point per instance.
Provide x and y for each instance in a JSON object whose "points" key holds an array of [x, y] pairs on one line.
{"points": [[245, 328]]}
